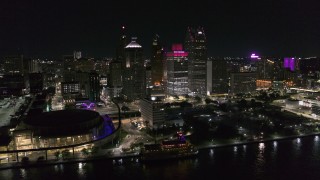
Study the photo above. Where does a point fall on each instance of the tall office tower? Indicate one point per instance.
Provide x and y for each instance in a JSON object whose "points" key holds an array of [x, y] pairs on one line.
{"points": [[120, 52], [36, 82], [157, 57], [13, 64], [217, 76], [94, 85], [114, 83], [289, 63], [134, 77], [115, 79], [195, 45], [177, 71]]}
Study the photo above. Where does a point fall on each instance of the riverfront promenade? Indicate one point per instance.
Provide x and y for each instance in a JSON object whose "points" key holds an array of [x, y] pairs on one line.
{"points": [[106, 154]]}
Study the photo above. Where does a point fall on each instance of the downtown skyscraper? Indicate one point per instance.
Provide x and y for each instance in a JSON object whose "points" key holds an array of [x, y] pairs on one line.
{"points": [[196, 46], [157, 58], [134, 80], [177, 71]]}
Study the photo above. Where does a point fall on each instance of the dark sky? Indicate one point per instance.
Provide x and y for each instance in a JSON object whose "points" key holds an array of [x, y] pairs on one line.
{"points": [[52, 28]]}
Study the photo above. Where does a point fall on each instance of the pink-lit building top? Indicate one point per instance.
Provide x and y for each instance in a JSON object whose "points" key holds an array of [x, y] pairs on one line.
{"points": [[177, 51]]}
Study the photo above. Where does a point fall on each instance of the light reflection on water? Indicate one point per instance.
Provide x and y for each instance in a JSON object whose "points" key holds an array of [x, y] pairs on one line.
{"points": [[290, 159], [275, 144], [211, 153]]}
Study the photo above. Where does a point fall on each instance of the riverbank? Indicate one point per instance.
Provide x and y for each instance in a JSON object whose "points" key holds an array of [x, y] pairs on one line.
{"points": [[136, 154]]}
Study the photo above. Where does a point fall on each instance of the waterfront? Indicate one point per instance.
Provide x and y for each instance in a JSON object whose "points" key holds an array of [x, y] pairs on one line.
{"points": [[297, 158]]}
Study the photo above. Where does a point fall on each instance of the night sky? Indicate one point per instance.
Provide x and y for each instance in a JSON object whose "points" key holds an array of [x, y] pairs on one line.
{"points": [[233, 28]]}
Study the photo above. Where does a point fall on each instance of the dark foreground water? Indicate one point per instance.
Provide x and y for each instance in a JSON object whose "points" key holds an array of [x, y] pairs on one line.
{"points": [[290, 159]]}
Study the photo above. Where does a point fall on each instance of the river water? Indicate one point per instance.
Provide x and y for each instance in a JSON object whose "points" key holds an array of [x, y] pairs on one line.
{"points": [[289, 159]]}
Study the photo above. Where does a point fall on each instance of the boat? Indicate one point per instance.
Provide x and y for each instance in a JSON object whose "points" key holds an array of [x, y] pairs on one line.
{"points": [[168, 149]]}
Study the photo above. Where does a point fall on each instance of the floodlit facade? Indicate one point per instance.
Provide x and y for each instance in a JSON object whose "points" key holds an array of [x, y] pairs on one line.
{"points": [[195, 45], [152, 112], [134, 79], [177, 71]]}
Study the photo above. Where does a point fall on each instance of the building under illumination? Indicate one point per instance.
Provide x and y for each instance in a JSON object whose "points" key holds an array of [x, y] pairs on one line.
{"points": [[157, 59], [177, 71], [134, 80], [152, 112], [196, 46]]}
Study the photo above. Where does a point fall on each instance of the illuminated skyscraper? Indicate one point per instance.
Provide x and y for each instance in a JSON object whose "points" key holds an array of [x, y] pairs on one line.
{"points": [[134, 77], [195, 45], [177, 71], [157, 62], [120, 54]]}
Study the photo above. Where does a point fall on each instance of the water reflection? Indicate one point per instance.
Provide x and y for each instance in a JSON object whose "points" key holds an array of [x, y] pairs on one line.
{"points": [[22, 173], [81, 169], [235, 148], [211, 153], [287, 159], [260, 160], [275, 144], [80, 165], [261, 147], [298, 140]]}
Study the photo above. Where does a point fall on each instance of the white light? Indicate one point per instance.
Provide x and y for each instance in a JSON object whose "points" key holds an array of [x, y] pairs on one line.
{"points": [[275, 143], [211, 152], [261, 146]]}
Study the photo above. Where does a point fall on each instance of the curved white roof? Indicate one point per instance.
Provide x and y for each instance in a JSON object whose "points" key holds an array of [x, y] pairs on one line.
{"points": [[133, 43]]}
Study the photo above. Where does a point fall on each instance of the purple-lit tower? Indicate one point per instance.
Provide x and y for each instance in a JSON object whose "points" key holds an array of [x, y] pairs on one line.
{"points": [[289, 62]]}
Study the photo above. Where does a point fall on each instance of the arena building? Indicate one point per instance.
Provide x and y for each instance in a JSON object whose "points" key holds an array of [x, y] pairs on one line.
{"points": [[48, 132]]}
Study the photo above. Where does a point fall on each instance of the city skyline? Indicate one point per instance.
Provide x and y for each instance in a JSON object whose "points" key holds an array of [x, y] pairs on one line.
{"points": [[270, 28]]}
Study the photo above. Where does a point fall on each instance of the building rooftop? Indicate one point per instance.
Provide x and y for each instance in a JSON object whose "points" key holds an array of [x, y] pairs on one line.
{"points": [[133, 44], [62, 118]]}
